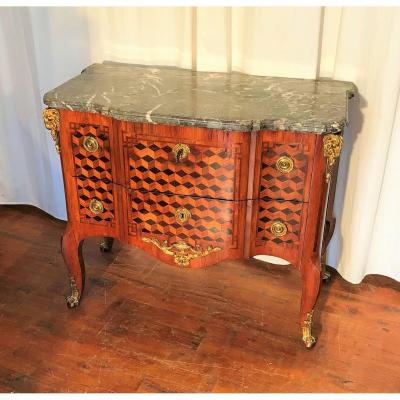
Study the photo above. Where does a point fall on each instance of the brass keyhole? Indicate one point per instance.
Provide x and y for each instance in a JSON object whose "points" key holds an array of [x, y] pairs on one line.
{"points": [[179, 154], [182, 215], [181, 151]]}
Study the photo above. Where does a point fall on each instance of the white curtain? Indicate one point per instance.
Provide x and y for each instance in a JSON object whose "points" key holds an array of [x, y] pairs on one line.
{"points": [[42, 47]]}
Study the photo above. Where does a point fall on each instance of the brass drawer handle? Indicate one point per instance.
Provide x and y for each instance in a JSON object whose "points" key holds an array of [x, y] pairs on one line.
{"points": [[278, 229], [96, 206], [181, 151], [90, 144], [182, 214], [284, 164]]}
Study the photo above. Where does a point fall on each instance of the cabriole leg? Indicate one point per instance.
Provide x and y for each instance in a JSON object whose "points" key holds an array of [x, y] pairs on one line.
{"points": [[106, 244], [311, 277], [71, 247]]}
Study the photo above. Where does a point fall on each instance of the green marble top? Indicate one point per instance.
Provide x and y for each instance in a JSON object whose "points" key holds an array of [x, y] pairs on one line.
{"points": [[229, 101]]}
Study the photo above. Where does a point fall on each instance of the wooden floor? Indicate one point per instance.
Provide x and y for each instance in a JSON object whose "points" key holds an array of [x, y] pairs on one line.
{"points": [[147, 327]]}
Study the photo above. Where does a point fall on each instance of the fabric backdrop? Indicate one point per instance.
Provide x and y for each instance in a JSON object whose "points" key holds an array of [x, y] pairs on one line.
{"points": [[42, 47]]}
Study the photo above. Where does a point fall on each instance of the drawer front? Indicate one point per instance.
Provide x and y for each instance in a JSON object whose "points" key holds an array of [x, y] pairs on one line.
{"points": [[194, 220], [286, 165], [185, 161], [91, 150], [205, 171], [278, 228], [96, 202], [279, 221]]}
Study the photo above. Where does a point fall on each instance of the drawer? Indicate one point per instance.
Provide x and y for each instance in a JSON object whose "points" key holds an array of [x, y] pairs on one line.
{"points": [[185, 160], [96, 202], [279, 221], [285, 166], [182, 168], [194, 220], [278, 228], [91, 150]]}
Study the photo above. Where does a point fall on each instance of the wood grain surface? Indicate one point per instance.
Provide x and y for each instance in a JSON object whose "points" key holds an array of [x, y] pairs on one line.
{"points": [[147, 327]]}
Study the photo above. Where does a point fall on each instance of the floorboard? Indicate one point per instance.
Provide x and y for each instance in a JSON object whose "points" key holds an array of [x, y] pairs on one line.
{"points": [[144, 326]]}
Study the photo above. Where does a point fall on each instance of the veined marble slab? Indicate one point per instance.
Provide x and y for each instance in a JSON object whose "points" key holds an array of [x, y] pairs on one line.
{"points": [[228, 101]]}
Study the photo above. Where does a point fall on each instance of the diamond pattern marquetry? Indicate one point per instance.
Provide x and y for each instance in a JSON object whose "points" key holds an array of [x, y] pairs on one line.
{"points": [[206, 172], [279, 185], [153, 214], [95, 165], [100, 190], [287, 212]]}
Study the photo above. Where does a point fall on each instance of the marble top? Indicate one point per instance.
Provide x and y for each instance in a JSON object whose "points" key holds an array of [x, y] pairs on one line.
{"points": [[228, 101]]}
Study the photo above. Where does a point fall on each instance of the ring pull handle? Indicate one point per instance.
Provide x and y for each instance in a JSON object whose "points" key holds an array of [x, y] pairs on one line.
{"points": [[96, 206], [90, 144], [181, 151], [284, 164], [278, 229]]}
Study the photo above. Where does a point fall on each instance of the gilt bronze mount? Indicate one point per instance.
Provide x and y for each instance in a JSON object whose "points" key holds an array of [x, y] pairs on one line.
{"points": [[51, 118], [181, 151], [332, 148], [73, 298], [308, 339], [181, 251]]}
